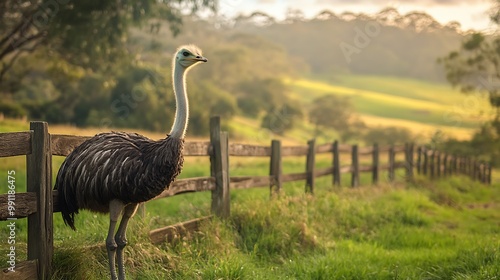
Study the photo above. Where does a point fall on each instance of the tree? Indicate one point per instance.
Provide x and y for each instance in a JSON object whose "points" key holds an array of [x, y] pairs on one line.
{"points": [[65, 27], [476, 67], [282, 118], [331, 111], [257, 95], [388, 135]]}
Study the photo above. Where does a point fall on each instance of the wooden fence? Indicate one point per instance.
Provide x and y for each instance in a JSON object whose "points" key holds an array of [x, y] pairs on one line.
{"points": [[38, 204]]}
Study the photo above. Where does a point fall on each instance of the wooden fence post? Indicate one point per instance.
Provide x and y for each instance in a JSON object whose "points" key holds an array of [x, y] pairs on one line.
{"points": [[409, 161], [219, 165], [438, 164], [464, 162], [470, 167], [355, 167], [459, 165], [426, 161], [419, 160], [488, 177], [481, 172], [446, 166], [454, 165], [392, 159], [466, 166], [432, 165], [39, 181], [375, 158], [336, 163], [276, 168], [475, 172], [311, 154]]}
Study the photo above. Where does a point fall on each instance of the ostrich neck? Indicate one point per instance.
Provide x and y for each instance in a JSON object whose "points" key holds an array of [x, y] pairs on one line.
{"points": [[181, 103]]}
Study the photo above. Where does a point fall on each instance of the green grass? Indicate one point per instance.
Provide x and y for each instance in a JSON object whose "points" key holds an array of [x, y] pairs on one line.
{"points": [[427, 230]]}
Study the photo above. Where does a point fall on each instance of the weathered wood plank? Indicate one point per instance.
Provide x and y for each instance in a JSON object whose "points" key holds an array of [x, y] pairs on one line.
{"points": [[345, 148], [63, 145], [488, 174], [399, 148], [365, 168], [400, 164], [198, 148], [245, 150], [392, 159], [383, 167], [432, 164], [39, 181], [425, 161], [364, 151], [396, 148], [310, 162], [409, 162], [346, 169], [199, 184], [336, 163], [323, 171], [384, 149], [177, 231], [246, 182], [294, 151], [446, 165], [355, 166], [324, 148], [275, 168], [25, 270], [25, 205], [375, 164], [419, 160], [15, 143], [219, 169], [438, 164], [294, 177]]}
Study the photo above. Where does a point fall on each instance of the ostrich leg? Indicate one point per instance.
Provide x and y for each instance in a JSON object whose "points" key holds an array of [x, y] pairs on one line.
{"points": [[115, 209], [121, 239]]}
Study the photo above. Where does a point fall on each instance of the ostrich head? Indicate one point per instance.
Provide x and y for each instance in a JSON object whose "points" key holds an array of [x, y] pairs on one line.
{"points": [[189, 55]]}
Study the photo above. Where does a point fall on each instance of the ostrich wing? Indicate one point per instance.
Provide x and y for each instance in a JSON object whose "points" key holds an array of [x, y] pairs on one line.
{"points": [[124, 166]]}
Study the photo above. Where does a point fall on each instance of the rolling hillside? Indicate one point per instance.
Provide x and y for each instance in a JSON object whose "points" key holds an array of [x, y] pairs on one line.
{"points": [[423, 107], [420, 106]]}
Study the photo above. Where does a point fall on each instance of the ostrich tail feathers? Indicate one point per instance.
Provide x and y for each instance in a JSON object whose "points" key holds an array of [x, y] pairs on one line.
{"points": [[69, 220], [68, 210]]}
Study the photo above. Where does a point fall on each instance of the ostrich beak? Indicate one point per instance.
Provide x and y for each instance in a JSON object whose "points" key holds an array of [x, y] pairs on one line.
{"points": [[201, 58]]}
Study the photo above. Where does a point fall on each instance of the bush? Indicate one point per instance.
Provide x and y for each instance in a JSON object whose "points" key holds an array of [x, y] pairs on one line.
{"points": [[12, 110]]}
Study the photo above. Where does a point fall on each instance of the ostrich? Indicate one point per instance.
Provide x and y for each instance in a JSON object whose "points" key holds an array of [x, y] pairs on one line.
{"points": [[114, 172]]}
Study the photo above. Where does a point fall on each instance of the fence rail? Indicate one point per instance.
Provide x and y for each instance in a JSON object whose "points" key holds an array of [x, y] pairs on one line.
{"points": [[38, 204]]}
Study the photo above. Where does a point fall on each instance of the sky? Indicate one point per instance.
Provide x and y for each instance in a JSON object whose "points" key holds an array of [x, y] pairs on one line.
{"points": [[471, 14]]}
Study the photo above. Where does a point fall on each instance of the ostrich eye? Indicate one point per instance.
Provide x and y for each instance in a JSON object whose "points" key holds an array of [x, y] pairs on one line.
{"points": [[185, 53]]}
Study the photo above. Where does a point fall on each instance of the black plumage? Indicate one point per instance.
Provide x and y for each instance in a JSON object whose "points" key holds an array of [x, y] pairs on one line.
{"points": [[127, 166]]}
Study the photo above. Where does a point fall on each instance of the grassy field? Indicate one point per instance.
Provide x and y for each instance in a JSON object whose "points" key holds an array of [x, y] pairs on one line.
{"points": [[386, 101], [426, 230]]}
